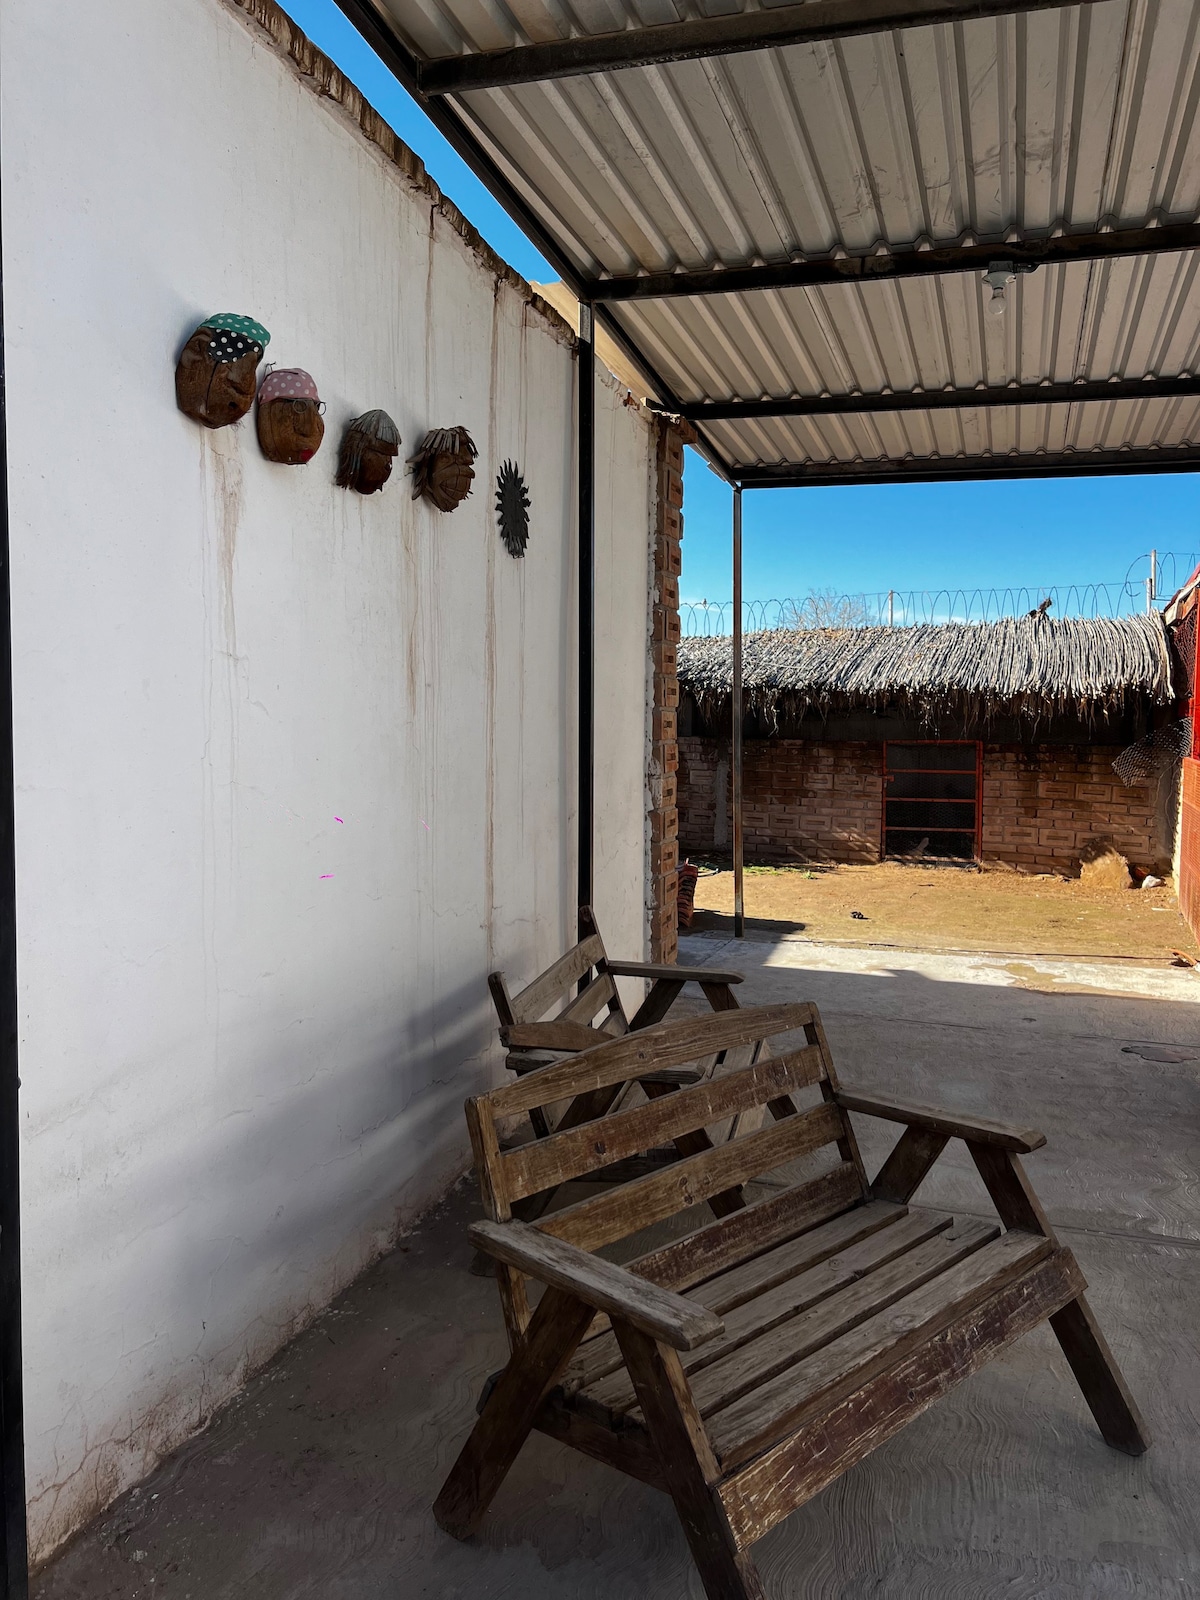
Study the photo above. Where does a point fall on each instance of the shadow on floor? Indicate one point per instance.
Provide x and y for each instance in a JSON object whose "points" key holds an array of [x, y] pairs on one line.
{"points": [[317, 1480], [716, 922]]}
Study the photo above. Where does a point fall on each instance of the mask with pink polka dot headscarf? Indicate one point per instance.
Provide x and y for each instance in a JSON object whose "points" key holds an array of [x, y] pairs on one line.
{"points": [[290, 428]]}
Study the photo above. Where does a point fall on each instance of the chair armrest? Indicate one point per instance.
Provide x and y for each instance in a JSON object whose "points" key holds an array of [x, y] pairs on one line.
{"points": [[975, 1130], [649, 969], [551, 1036], [659, 1312]]}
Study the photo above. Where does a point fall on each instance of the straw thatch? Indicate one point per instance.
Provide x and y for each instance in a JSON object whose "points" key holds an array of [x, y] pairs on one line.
{"points": [[1024, 666]]}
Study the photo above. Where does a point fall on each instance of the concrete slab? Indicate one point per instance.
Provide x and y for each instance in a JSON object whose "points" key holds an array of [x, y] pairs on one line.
{"points": [[318, 1479]]}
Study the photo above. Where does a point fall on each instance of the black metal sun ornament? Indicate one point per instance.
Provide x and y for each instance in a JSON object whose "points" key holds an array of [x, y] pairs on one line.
{"points": [[512, 509]]}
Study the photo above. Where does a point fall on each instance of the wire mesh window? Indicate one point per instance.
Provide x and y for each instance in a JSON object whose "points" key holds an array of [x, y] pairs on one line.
{"points": [[931, 794]]}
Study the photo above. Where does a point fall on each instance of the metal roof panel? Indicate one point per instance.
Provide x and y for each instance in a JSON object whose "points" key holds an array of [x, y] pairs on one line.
{"points": [[1074, 119]]}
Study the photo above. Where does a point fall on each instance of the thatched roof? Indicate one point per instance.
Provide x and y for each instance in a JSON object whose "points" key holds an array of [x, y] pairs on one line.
{"points": [[1031, 666]]}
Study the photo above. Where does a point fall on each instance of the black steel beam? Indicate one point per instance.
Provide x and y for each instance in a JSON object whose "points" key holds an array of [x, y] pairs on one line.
{"points": [[585, 443], [1030, 394], [704, 36], [736, 731], [905, 262], [1059, 464], [403, 66]]}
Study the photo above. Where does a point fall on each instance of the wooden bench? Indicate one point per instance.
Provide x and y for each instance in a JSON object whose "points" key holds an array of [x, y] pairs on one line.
{"points": [[744, 1366]]}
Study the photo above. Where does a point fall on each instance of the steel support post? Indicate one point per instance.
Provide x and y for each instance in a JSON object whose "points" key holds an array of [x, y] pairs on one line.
{"points": [[14, 1560], [586, 443], [739, 917]]}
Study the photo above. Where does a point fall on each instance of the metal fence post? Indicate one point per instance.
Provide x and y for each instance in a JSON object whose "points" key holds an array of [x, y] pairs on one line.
{"points": [[739, 919], [586, 445]]}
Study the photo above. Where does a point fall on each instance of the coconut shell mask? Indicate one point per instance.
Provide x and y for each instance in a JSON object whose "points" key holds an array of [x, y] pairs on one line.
{"points": [[290, 428], [217, 373], [369, 447], [442, 467]]}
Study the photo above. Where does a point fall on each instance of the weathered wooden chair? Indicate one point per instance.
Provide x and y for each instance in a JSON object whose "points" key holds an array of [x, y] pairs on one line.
{"points": [[747, 1364], [535, 1039]]}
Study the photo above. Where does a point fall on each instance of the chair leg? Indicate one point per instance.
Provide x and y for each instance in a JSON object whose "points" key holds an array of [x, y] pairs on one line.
{"points": [[1084, 1346], [505, 1422], [688, 1466], [1099, 1376]]}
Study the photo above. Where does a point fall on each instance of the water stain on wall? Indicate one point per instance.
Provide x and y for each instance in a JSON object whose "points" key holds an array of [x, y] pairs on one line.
{"points": [[224, 495]]}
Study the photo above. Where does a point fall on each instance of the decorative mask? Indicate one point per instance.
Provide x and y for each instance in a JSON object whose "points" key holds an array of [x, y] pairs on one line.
{"points": [[290, 429], [369, 446], [442, 469], [216, 375], [512, 509]]}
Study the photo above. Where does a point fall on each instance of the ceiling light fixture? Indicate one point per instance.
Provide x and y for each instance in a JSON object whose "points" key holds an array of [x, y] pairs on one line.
{"points": [[998, 277]]}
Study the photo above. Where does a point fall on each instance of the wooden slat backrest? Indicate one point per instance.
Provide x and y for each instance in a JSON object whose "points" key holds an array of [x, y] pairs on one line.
{"points": [[563, 1156], [617, 1213], [548, 997], [666, 1045], [534, 1001], [602, 991], [642, 1202]]}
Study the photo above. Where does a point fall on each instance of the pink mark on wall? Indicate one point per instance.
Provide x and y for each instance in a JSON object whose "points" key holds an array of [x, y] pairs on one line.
{"points": [[425, 825], [338, 819], [327, 875]]}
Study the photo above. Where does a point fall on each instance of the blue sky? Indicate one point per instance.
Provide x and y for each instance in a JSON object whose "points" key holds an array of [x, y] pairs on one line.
{"points": [[852, 540], [1033, 533]]}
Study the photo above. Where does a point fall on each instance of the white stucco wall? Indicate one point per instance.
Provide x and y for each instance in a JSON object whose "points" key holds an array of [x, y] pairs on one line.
{"points": [[240, 1075]]}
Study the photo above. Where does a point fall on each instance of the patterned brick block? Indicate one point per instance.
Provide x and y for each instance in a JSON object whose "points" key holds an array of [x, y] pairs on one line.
{"points": [[1044, 807]]}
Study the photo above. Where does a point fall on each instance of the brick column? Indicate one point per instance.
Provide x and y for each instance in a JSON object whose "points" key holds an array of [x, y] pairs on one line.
{"points": [[663, 819]]}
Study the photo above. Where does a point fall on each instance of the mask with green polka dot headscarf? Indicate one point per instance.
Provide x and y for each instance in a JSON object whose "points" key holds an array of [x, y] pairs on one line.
{"points": [[217, 373]]}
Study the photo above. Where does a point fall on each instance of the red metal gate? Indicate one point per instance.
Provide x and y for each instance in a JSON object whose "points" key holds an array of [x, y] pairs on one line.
{"points": [[932, 793]]}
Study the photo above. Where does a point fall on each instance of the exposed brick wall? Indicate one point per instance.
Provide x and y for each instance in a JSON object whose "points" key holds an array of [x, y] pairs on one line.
{"points": [[663, 818], [803, 799], [1045, 808], [1048, 807]]}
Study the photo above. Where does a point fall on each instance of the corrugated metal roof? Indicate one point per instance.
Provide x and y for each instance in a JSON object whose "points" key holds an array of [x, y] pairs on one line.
{"points": [[1068, 117], [1081, 320], [902, 436], [1067, 120]]}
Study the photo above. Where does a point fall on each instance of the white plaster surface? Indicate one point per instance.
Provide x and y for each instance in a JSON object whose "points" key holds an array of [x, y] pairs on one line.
{"points": [[295, 768]]}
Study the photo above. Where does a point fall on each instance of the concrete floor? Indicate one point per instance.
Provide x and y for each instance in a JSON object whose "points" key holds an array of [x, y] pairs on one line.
{"points": [[318, 1479]]}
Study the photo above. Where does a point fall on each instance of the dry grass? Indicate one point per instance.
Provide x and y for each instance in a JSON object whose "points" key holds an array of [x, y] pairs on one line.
{"points": [[1034, 666], [949, 909]]}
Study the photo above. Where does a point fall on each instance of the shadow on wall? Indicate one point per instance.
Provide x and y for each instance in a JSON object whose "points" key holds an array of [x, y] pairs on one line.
{"points": [[400, 1098]]}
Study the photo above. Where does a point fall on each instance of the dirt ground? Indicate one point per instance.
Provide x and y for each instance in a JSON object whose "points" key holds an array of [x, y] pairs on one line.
{"points": [[948, 908]]}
